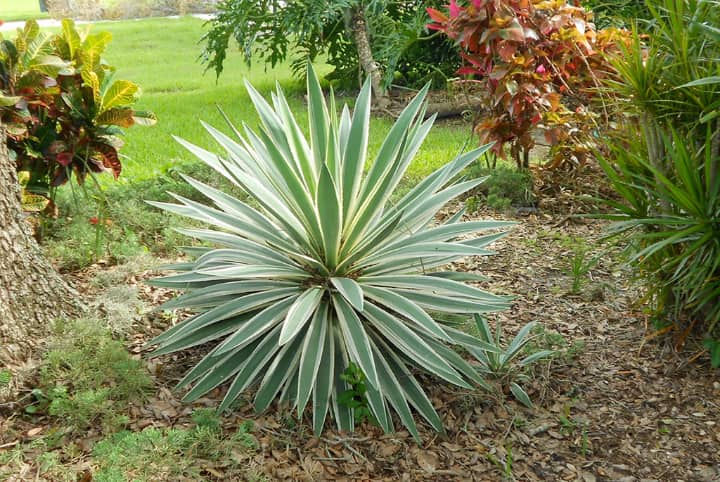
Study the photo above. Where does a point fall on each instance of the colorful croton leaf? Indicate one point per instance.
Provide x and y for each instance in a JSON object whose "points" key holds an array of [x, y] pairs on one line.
{"points": [[539, 63], [62, 108]]}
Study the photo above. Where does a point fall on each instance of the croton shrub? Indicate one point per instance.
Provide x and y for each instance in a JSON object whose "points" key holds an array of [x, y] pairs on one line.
{"points": [[540, 63], [61, 106]]}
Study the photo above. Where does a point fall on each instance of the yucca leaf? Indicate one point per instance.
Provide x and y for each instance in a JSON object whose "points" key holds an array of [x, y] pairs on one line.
{"points": [[538, 355], [344, 417], [412, 345], [406, 308], [309, 166], [300, 311], [235, 307], [518, 342], [415, 394], [202, 335], [250, 248], [324, 382], [437, 286], [363, 212], [283, 366], [311, 355], [318, 120], [351, 291], [252, 367], [390, 387], [458, 362], [329, 217], [212, 372], [520, 394], [451, 304], [257, 326], [457, 276], [356, 338], [354, 147], [376, 402]]}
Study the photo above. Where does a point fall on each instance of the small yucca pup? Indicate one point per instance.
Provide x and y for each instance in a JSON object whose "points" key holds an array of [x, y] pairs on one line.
{"points": [[323, 270]]}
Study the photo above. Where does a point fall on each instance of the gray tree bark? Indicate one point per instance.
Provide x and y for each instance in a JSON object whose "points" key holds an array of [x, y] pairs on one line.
{"points": [[32, 293], [361, 36]]}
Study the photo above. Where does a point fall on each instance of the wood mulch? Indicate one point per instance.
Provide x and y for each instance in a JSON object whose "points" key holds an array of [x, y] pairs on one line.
{"points": [[615, 405]]}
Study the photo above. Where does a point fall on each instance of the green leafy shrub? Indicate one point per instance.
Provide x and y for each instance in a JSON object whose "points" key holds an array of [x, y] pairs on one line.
{"points": [[617, 13], [61, 106], [326, 272], [87, 377], [539, 64], [273, 31], [668, 174], [355, 397], [503, 188]]}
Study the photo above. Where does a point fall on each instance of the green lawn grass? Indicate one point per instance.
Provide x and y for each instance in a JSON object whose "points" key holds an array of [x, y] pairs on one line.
{"points": [[161, 55], [13, 10]]}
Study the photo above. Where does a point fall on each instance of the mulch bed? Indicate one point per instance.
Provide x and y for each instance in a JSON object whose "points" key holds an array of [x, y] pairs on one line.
{"points": [[616, 407]]}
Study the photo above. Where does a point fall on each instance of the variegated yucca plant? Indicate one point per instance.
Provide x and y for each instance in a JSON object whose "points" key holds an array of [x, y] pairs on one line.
{"points": [[321, 269]]}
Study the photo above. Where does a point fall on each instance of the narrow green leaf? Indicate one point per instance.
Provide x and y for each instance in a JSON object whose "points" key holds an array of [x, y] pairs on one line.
{"points": [[283, 366], [353, 160], [298, 314], [317, 117], [406, 308], [520, 394], [257, 326], [356, 339], [351, 291], [311, 355], [391, 389], [254, 365], [329, 217], [412, 346], [324, 381]]}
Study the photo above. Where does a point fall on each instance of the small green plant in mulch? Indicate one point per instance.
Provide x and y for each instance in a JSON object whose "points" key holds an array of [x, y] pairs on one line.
{"points": [[502, 363], [504, 188], [87, 378], [129, 228], [177, 453], [355, 397]]}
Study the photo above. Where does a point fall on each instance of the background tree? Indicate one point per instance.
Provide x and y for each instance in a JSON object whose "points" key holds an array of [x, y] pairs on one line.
{"points": [[32, 293], [383, 39]]}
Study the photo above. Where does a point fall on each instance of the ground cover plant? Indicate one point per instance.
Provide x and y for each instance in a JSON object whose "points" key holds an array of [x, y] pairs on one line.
{"points": [[88, 378], [326, 272]]}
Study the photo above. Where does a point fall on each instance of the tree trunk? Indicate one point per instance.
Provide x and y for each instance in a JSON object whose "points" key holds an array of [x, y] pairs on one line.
{"points": [[361, 36], [32, 293]]}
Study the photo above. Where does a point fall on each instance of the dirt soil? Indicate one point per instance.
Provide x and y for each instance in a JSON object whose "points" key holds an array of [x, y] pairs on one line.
{"points": [[615, 405]]}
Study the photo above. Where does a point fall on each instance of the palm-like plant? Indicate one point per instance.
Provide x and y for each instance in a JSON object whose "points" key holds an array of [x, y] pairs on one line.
{"points": [[326, 271], [669, 176]]}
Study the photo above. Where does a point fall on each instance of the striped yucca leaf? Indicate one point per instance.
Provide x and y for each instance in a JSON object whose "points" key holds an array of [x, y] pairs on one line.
{"points": [[322, 270]]}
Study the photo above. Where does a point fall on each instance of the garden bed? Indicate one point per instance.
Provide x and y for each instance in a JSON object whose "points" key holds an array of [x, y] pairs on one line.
{"points": [[609, 406]]}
